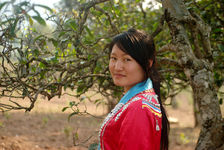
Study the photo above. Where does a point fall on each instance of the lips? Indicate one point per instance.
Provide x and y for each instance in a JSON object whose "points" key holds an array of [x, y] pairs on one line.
{"points": [[118, 75]]}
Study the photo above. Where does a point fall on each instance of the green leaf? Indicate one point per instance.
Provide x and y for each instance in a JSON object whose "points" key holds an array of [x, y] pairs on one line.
{"points": [[89, 32], [38, 37], [80, 89], [117, 11], [221, 47], [2, 5], [220, 101], [72, 114], [55, 42], [65, 87], [13, 27], [36, 52], [217, 30], [76, 136], [155, 25], [72, 24], [106, 8], [71, 104], [64, 109], [69, 45], [25, 92], [1, 125], [61, 34], [188, 3], [42, 66], [42, 74], [97, 101], [30, 21], [74, 52], [52, 59], [44, 6], [39, 19], [93, 146], [24, 3], [33, 69]]}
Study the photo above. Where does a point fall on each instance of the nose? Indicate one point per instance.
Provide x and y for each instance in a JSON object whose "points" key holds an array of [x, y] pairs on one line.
{"points": [[118, 65]]}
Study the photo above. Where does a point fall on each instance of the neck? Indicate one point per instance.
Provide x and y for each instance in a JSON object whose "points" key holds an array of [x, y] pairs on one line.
{"points": [[126, 90]]}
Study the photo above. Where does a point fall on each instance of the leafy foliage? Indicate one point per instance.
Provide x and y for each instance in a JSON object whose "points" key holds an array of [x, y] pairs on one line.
{"points": [[211, 12], [72, 52]]}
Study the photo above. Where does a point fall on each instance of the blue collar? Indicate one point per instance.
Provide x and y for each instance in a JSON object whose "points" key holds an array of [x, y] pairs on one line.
{"points": [[140, 87]]}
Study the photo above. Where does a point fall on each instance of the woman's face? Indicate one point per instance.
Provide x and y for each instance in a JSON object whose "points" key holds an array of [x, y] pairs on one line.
{"points": [[125, 71]]}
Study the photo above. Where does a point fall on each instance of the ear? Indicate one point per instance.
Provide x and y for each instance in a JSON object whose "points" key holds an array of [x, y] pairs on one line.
{"points": [[150, 63]]}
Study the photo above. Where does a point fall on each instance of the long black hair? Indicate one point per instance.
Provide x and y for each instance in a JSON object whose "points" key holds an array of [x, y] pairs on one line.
{"points": [[140, 46]]}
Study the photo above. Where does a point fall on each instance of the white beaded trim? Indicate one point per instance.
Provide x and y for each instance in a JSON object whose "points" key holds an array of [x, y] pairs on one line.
{"points": [[125, 107], [109, 116], [149, 99]]}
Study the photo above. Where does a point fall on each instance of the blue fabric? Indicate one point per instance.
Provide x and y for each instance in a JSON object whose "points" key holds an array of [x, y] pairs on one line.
{"points": [[140, 87]]}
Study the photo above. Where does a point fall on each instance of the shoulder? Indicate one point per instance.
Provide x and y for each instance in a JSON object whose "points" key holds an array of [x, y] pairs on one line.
{"points": [[146, 101], [143, 103]]}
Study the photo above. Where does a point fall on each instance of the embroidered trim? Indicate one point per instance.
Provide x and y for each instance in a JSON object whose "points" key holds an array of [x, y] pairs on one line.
{"points": [[146, 102], [126, 106], [152, 106], [157, 109], [108, 118], [152, 110], [157, 125]]}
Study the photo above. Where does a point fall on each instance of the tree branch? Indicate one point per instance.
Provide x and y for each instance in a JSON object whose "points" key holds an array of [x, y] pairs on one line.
{"points": [[160, 26]]}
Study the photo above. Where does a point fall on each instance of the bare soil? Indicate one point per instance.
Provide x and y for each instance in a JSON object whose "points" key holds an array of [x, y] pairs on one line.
{"points": [[47, 127]]}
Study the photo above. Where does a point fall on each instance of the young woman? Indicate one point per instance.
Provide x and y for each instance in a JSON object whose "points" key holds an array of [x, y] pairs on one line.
{"points": [[138, 121]]}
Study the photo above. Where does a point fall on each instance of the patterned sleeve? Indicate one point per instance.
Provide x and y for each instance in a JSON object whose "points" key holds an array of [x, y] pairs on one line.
{"points": [[140, 128]]}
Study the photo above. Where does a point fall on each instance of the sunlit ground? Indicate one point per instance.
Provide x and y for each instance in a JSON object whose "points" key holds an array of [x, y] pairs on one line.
{"points": [[47, 127]]}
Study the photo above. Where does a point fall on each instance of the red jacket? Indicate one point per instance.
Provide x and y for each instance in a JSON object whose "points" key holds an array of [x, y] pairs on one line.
{"points": [[135, 126]]}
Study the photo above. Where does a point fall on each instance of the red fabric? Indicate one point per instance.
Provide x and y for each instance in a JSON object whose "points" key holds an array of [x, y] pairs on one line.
{"points": [[135, 129]]}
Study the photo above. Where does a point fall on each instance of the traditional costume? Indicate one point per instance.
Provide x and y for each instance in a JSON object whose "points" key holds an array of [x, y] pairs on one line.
{"points": [[135, 123]]}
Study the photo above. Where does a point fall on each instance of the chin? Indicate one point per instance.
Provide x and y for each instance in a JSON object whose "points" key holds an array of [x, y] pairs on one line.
{"points": [[117, 83]]}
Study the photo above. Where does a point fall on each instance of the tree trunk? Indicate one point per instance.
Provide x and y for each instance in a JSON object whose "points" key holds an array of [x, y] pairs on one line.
{"points": [[197, 118], [211, 135], [197, 68]]}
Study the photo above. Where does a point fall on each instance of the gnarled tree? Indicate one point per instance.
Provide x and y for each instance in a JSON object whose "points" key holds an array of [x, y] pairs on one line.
{"points": [[195, 57]]}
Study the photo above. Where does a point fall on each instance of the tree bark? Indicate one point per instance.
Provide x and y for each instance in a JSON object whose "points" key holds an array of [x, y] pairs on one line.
{"points": [[198, 70], [197, 118]]}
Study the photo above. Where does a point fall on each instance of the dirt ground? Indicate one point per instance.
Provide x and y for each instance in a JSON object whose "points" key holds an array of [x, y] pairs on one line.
{"points": [[47, 127]]}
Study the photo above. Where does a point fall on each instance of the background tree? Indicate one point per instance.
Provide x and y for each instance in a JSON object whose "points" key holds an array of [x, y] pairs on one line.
{"points": [[191, 39], [75, 55]]}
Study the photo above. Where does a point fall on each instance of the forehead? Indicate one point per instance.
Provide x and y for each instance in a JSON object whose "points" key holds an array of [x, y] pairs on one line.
{"points": [[117, 51]]}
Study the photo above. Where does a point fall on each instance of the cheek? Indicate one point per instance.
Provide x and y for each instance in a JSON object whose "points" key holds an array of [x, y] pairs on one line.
{"points": [[143, 75], [139, 72], [110, 67]]}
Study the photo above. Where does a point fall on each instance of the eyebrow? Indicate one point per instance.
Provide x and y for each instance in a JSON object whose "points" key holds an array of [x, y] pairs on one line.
{"points": [[122, 54]]}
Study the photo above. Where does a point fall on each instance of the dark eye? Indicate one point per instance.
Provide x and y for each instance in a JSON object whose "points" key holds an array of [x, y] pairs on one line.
{"points": [[113, 58], [127, 59]]}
